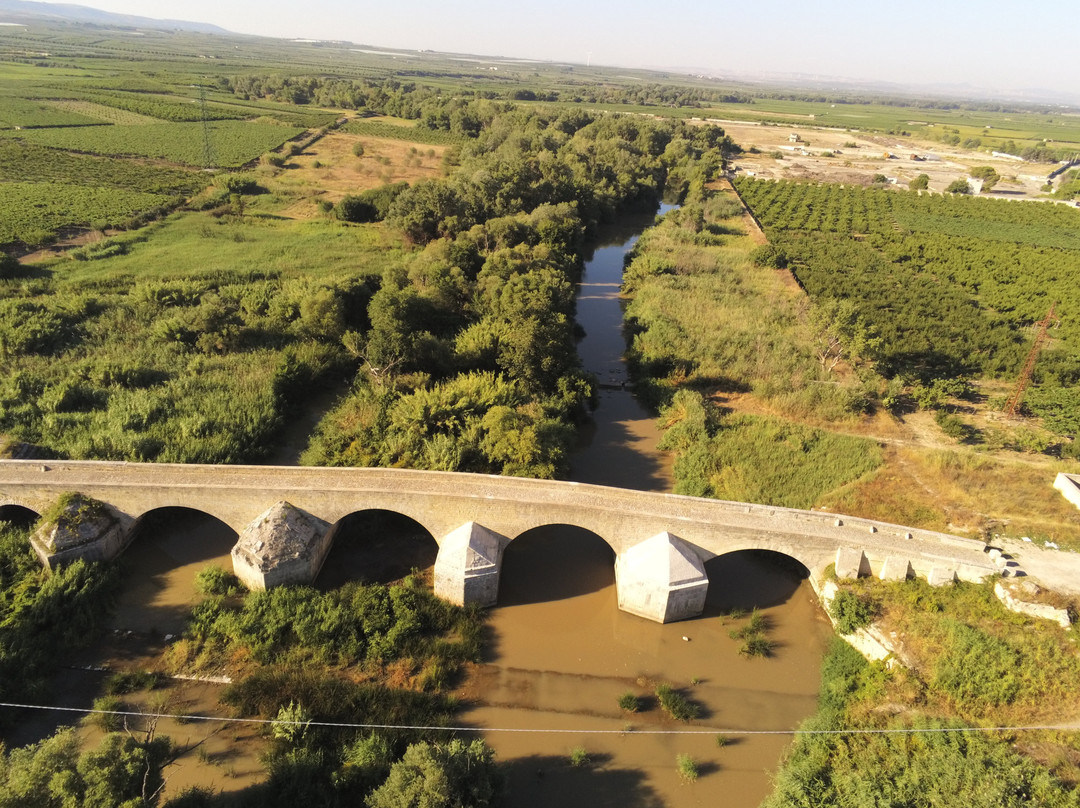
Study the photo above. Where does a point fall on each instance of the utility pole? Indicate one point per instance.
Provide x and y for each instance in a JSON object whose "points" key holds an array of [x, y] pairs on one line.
{"points": [[208, 148]]}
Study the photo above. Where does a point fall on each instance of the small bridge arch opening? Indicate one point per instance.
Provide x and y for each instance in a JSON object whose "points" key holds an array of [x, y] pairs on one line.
{"points": [[377, 546], [555, 562], [751, 579], [19, 516]]}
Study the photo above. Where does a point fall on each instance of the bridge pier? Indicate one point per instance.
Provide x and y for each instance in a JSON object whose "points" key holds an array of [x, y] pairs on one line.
{"points": [[661, 579], [468, 565], [282, 545]]}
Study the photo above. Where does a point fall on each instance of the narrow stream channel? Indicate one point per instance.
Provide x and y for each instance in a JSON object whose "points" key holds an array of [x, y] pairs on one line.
{"points": [[561, 653]]}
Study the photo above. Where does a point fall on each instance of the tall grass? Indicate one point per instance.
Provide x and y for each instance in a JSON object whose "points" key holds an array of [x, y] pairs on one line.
{"points": [[703, 315]]}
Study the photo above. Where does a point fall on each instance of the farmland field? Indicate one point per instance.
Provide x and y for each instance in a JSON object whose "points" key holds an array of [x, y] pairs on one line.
{"points": [[25, 112], [34, 210], [234, 143], [950, 285]]}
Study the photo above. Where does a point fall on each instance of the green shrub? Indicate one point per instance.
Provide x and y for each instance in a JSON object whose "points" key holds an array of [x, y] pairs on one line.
{"points": [[629, 702], [852, 611], [107, 720], [216, 581], [675, 704], [131, 682], [688, 768]]}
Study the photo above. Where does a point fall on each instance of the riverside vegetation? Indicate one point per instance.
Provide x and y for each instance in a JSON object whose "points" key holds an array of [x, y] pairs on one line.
{"points": [[970, 665]]}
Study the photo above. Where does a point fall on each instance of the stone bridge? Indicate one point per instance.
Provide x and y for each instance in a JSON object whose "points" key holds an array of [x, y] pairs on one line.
{"points": [[285, 517]]}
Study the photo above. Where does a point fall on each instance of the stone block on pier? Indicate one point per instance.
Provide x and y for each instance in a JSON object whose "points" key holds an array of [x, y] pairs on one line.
{"points": [[283, 545], [661, 579], [896, 568], [941, 576], [851, 563], [468, 565]]}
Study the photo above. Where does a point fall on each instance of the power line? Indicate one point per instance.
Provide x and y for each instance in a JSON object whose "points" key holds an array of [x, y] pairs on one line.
{"points": [[542, 731]]}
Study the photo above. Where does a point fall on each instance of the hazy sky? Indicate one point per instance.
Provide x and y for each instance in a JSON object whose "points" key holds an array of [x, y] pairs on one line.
{"points": [[985, 43]]}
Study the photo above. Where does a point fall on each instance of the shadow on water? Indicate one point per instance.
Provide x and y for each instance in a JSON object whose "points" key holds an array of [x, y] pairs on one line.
{"points": [[376, 546], [751, 579], [556, 562], [546, 780]]}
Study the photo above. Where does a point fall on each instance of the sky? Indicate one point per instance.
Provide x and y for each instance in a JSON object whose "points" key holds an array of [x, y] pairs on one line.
{"points": [[988, 44]]}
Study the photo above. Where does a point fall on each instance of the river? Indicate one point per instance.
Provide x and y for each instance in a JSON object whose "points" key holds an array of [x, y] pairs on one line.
{"points": [[561, 653]]}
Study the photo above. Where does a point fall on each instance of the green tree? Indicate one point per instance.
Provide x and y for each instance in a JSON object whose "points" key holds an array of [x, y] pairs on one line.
{"points": [[920, 183], [122, 772], [959, 186], [452, 775], [841, 334], [987, 174]]}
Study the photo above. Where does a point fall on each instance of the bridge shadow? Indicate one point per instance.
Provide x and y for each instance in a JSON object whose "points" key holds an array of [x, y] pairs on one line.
{"points": [[546, 780], [751, 579], [619, 449], [377, 546], [554, 562]]}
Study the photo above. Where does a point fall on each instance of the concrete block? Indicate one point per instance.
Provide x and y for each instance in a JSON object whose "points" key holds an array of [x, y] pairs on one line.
{"points": [[851, 563], [468, 565], [1069, 486], [282, 545], [661, 579], [896, 568], [940, 576]]}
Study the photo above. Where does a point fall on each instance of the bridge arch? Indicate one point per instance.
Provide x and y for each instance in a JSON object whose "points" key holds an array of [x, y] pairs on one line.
{"points": [[555, 562], [181, 505], [187, 534], [168, 547], [19, 515], [376, 545], [752, 579]]}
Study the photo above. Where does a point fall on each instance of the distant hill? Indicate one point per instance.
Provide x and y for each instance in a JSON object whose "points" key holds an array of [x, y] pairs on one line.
{"points": [[28, 11]]}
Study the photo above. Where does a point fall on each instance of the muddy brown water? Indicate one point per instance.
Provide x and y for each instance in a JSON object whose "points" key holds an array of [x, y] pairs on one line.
{"points": [[560, 652]]}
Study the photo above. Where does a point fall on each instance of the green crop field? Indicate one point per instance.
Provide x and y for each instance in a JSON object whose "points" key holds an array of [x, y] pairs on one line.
{"points": [[233, 142], [21, 162], [33, 211], [950, 284], [26, 112]]}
